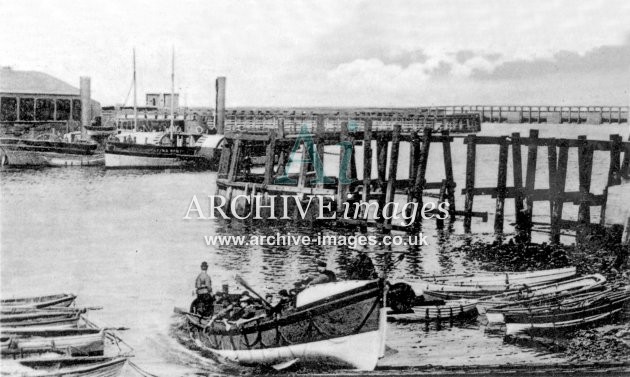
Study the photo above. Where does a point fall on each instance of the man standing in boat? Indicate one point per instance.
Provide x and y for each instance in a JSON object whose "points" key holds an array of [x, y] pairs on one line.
{"points": [[203, 284]]}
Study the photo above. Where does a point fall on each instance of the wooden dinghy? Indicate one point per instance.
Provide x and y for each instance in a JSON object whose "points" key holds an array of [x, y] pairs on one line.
{"points": [[61, 300], [496, 315], [580, 284], [570, 317], [96, 366], [473, 288], [339, 323], [493, 278], [449, 311], [72, 342], [41, 319]]}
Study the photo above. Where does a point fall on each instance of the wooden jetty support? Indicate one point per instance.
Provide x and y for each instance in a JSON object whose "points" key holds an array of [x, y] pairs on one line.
{"points": [[263, 163], [556, 194]]}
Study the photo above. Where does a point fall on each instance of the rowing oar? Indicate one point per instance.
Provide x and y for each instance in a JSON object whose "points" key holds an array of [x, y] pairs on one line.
{"points": [[242, 282], [183, 312]]}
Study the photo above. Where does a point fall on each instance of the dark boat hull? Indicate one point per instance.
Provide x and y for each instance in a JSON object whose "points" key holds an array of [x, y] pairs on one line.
{"points": [[24, 152], [328, 331]]}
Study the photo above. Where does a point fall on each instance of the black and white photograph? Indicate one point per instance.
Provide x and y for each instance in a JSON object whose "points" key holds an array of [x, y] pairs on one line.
{"points": [[299, 187]]}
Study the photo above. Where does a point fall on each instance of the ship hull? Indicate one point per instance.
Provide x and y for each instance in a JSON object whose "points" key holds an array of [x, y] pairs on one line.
{"points": [[346, 329], [17, 152]]}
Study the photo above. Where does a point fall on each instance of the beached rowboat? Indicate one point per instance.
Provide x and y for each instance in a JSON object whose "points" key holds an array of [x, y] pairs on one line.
{"points": [[65, 367], [494, 278], [580, 284], [472, 288], [540, 304], [450, 310], [62, 299], [41, 319], [568, 317], [68, 341], [339, 323]]}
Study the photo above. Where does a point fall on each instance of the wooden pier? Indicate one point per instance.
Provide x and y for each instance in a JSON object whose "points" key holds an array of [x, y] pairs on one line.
{"points": [[543, 114], [271, 149]]}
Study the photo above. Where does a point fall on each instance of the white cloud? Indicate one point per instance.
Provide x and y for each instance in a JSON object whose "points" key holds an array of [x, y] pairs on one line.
{"points": [[303, 52]]}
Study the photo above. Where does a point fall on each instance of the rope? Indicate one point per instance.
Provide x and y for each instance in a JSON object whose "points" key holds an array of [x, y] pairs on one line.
{"points": [[140, 371]]}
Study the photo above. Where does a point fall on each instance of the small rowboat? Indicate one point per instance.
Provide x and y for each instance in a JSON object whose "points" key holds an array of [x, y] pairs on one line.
{"points": [[563, 318], [67, 341], [580, 284], [44, 318], [494, 278], [96, 366], [339, 323], [451, 310], [62, 299], [496, 315], [475, 288]]}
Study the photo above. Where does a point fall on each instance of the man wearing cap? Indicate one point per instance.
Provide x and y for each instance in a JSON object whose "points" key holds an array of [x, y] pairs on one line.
{"points": [[203, 284], [323, 276]]}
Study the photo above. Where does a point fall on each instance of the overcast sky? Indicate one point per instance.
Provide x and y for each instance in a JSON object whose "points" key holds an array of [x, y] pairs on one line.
{"points": [[331, 53]]}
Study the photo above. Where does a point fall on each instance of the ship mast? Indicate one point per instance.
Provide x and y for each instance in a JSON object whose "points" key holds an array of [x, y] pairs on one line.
{"points": [[135, 96], [172, 90]]}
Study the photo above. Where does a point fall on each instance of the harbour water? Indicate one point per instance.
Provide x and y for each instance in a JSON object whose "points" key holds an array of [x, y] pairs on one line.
{"points": [[117, 239]]}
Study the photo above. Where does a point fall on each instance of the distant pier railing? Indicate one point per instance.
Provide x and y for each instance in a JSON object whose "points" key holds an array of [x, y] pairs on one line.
{"points": [[293, 124], [543, 114]]}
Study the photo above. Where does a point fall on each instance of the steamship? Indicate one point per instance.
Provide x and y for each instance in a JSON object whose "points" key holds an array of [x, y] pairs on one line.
{"points": [[160, 142]]}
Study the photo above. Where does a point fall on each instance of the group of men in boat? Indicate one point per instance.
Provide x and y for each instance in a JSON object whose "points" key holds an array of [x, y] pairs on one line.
{"points": [[243, 308]]}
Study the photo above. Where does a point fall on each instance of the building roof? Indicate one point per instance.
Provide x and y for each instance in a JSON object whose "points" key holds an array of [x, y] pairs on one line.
{"points": [[33, 82]]}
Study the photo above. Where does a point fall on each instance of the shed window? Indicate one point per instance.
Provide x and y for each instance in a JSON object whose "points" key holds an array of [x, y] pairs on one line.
{"points": [[44, 109], [76, 109], [8, 109], [27, 109], [63, 109]]}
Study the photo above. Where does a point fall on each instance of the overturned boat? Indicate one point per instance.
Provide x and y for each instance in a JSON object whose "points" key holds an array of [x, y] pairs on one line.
{"points": [[341, 324]]}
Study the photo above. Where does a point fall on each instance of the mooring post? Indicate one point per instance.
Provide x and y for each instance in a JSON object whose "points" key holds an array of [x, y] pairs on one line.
{"points": [[319, 142], [367, 164], [235, 160], [530, 177], [418, 188], [224, 160], [552, 162], [414, 155], [614, 171], [270, 155], [220, 104], [471, 156], [381, 169], [439, 222], [448, 172], [517, 172], [393, 173], [343, 181], [501, 187], [585, 165], [625, 165], [561, 179]]}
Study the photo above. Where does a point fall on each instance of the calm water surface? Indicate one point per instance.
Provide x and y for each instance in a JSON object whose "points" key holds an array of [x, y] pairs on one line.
{"points": [[118, 240]]}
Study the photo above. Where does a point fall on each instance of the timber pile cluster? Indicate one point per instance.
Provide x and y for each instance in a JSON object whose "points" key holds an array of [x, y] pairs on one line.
{"points": [[608, 344]]}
